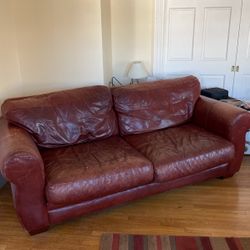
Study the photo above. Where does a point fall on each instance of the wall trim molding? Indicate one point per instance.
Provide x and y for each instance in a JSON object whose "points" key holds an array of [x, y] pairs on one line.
{"points": [[159, 37]]}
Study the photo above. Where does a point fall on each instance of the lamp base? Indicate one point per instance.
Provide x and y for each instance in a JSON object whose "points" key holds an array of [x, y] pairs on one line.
{"points": [[134, 81]]}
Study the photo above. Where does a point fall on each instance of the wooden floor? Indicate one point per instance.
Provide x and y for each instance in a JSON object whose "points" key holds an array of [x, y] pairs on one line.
{"points": [[213, 208]]}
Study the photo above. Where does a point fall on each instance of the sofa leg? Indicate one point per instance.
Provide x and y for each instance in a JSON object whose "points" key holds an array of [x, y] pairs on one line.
{"points": [[221, 177], [227, 175], [38, 231]]}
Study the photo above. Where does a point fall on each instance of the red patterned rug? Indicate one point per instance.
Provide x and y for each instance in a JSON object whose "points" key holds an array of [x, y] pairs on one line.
{"points": [[147, 242]]}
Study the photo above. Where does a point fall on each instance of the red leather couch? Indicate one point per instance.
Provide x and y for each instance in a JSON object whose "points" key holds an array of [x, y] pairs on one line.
{"points": [[72, 152]]}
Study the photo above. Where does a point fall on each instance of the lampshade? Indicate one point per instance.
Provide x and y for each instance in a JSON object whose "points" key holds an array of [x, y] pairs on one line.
{"points": [[137, 70]]}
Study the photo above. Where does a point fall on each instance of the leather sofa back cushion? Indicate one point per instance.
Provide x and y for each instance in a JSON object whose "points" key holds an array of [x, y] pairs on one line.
{"points": [[66, 117], [155, 105]]}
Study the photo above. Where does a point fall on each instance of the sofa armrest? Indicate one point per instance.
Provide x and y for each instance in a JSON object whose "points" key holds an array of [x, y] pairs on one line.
{"points": [[227, 121], [19, 156], [21, 164]]}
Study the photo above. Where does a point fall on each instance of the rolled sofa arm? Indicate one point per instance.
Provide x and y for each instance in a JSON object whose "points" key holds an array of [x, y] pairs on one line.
{"points": [[225, 120], [21, 164]]}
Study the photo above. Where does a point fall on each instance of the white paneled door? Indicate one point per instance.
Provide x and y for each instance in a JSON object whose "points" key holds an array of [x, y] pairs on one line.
{"points": [[198, 37], [241, 87]]}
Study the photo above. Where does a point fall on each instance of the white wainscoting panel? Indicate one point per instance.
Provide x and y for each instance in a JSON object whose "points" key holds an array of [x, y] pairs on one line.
{"points": [[210, 81], [242, 87]]}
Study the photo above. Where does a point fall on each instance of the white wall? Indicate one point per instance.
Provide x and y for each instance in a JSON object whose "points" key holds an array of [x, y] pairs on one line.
{"points": [[57, 44], [10, 78], [49, 45], [132, 34]]}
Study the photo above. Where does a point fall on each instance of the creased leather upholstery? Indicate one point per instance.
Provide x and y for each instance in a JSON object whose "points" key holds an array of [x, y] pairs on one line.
{"points": [[48, 186], [181, 151], [150, 106], [227, 121], [65, 117], [61, 214], [21, 164], [87, 171]]}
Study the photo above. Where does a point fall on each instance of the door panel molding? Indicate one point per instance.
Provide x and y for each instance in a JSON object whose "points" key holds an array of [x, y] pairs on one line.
{"points": [[181, 27], [210, 42], [248, 44]]}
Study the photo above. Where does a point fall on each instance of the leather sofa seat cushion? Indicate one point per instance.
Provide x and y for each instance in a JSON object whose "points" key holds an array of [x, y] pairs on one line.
{"points": [[155, 105], [87, 171], [65, 117], [182, 151]]}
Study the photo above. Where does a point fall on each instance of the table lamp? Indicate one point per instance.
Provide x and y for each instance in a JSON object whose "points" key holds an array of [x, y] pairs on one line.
{"points": [[137, 71]]}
